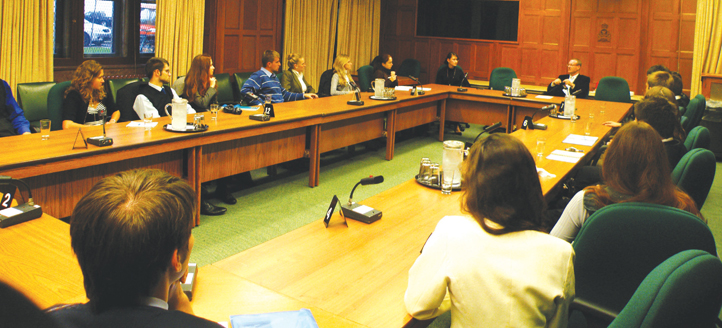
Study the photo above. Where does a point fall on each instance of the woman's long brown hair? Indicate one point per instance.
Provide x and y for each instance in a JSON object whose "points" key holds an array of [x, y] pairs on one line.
{"points": [[198, 79]]}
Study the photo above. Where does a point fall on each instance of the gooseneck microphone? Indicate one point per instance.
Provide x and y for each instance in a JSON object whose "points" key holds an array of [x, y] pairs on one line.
{"points": [[461, 85], [360, 212], [528, 122], [101, 141], [421, 87], [357, 94]]}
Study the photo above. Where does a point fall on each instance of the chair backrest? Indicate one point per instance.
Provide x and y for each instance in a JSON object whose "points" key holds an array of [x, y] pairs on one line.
{"points": [[694, 112], [240, 79], [501, 77], [621, 243], [697, 138], [225, 90], [365, 75], [17, 310], [683, 291], [324, 84], [613, 88], [408, 67], [695, 173], [115, 84], [126, 98], [55, 105], [33, 99]]}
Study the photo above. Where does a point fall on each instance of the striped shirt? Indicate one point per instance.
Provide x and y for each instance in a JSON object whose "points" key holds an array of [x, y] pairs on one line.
{"points": [[263, 82]]}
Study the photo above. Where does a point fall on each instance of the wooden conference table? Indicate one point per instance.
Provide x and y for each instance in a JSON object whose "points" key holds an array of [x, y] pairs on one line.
{"points": [[351, 276], [60, 175]]}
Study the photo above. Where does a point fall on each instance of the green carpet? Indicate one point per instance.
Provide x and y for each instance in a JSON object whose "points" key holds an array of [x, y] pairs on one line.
{"points": [[279, 204]]}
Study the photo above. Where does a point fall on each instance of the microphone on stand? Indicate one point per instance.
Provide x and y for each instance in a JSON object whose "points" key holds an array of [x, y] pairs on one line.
{"points": [[360, 212], [101, 141], [421, 87], [357, 94], [461, 88], [528, 122]]}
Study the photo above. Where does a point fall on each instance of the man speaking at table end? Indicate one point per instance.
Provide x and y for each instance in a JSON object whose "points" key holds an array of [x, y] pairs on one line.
{"points": [[578, 83]]}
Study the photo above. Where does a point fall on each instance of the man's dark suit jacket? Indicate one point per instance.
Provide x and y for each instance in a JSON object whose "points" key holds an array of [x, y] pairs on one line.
{"points": [[580, 83]]}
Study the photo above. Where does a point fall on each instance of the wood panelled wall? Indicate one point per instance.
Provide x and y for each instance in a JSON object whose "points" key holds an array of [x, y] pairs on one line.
{"points": [[611, 37], [238, 31]]}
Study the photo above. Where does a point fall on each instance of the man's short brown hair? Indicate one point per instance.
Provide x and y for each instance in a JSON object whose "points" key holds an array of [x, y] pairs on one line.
{"points": [[153, 64], [660, 78], [269, 56]]}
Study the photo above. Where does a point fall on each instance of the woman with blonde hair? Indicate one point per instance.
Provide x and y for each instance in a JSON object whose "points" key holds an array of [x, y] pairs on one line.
{"points": [[495, 267], [636, 169], [199, 85], [85, 99], [342, 79], [293, 79]]}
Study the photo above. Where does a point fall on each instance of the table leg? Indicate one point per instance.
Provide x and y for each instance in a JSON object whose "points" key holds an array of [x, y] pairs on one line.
{"points": [[390, 134], [442, 118], [314, 156]]}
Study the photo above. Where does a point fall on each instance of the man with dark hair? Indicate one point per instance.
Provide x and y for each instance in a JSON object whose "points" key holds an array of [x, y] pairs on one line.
{"points": [[154, 95], [264, 82], [660, 78], [678, 89], [657, 68], [579, 84], [12, 117], [132, 237], [661, 115]]}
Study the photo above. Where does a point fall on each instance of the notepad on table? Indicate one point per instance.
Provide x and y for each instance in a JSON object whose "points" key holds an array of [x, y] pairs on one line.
{"points": [[298, 319], [577, 139]]}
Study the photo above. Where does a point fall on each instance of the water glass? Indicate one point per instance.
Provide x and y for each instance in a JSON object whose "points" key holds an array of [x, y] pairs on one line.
{"points": [[590, 125], [45, 129], [199, 121], [447, 181], [148, 120], [541, 143], [434, 179], [214, 111]]}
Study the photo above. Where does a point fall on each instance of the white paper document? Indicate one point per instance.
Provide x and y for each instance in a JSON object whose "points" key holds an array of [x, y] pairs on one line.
{"points": [[408, 88], [544, 97], [140, 124], [577, 139], [565, 156]]}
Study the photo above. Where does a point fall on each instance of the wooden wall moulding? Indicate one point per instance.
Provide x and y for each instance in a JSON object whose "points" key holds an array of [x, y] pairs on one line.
{"points": [[611, 38]]}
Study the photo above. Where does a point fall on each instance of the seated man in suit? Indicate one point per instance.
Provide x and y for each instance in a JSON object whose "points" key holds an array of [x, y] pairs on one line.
{"points": [[132, 237], [264, 82], [578, 83], [157, 93], [12, 118]]}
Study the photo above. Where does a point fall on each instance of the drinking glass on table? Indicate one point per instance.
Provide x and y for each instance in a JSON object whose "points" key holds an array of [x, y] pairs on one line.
{"points": [[45, 129], [147, 120], [214, 111], [447, 181], [590, 125]]}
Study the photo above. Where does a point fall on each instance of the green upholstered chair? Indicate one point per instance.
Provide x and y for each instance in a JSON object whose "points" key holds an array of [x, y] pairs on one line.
{"points": [[115, 84], [697, 138], [55, 105], [683, 291], [240, 78], [225, 90], [695, 173], [694, 112], [410, 67], [620, 244], [365, 75], [613, 88], [33, 99], [501, 77]]}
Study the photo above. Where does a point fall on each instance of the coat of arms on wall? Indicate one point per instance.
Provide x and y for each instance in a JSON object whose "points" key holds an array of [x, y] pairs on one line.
{"points": [[604, 35]]}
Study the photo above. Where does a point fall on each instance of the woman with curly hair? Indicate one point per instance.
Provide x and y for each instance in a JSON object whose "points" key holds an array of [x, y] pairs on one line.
{"points": [[495, 266], [85, 99], [636, 169], [199, 85]]}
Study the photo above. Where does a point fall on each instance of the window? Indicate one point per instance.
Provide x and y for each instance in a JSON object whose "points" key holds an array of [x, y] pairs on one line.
{"points": [[113, 32]]}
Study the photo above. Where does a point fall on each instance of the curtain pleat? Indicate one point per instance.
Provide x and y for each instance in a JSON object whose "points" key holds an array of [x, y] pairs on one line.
{"points": [[358, 30], [26, 41], [310, 31], [179, 32], [707, 42]]}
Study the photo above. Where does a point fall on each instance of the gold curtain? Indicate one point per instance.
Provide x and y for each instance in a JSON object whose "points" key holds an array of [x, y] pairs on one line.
{"points": [[358, 30], [707, 42], [179, 33], [26, 41], [310, 31]]}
